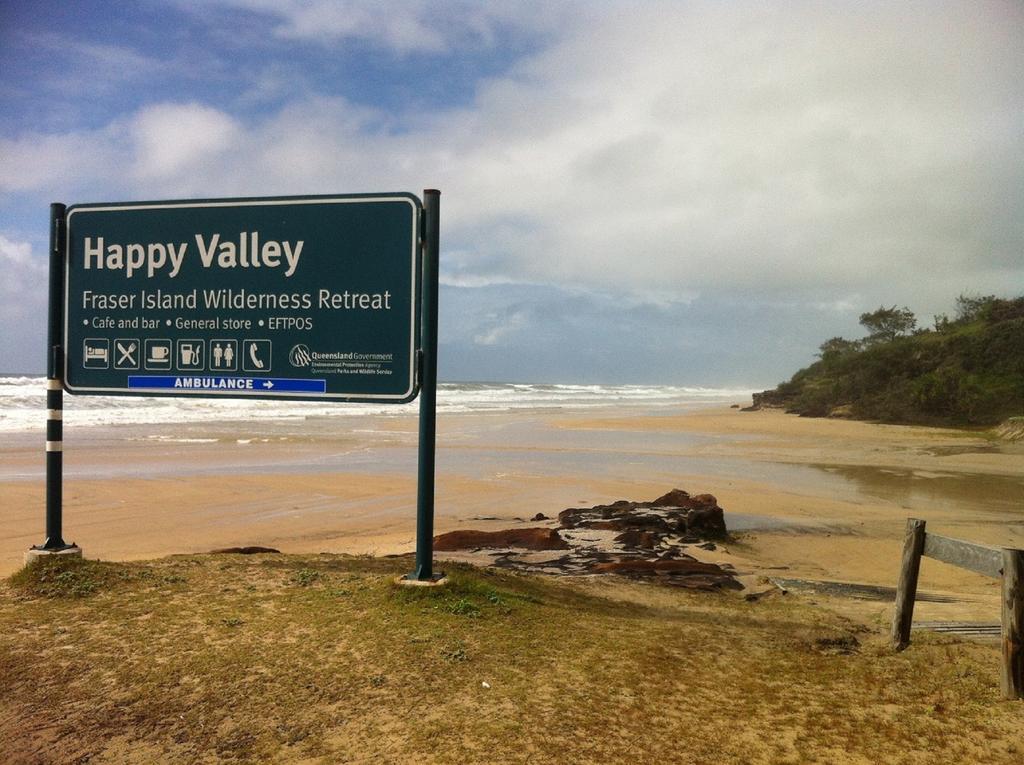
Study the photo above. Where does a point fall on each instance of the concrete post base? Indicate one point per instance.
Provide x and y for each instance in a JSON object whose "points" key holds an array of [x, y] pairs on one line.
{"points": [[439, 581], [33, 554]]}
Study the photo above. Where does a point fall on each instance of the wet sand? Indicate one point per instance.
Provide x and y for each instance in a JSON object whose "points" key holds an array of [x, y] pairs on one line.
{"points": [[844, 520], [815, 499]]}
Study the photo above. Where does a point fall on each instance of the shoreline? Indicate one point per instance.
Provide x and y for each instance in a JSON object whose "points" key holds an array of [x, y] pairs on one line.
{"points": [[815, 499]]}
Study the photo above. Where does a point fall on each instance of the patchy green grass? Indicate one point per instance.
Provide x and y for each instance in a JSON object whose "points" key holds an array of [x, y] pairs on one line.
{"points": [[67, 577], [306, 576], [273, 658]]}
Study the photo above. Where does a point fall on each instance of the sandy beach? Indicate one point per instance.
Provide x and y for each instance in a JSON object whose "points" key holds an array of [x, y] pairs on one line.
{"points": [[810, 499]]}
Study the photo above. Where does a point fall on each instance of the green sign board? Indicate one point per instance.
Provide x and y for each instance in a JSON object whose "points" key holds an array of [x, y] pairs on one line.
{"points": [[292, 297]]}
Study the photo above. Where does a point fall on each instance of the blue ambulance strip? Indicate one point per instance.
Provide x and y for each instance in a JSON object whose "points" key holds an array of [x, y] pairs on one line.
{"points": [[186, 383]]}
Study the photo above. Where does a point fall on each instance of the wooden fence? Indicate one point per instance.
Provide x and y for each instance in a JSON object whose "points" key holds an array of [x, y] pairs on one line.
{"points": [[999, 563]]}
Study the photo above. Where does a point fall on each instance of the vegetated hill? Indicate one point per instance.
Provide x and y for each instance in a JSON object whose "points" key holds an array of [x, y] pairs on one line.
{"points": [[964, 371]]}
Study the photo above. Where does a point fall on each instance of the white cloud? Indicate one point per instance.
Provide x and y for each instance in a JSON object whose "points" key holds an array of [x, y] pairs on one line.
{"points": [[16, 255], [752, 150], [41, 162], [164, 148], [171, 140], [812, 154], [23, 290]]}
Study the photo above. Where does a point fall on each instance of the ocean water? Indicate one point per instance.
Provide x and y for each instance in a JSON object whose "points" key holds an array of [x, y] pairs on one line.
{"points": [[23, 403]]}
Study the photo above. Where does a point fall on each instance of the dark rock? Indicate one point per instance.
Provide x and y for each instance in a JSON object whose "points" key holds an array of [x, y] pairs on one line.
{"points": [[706, 523], [735, 406], [540, 517], [704, 519], [651, 522], [637, 538], [252, 550], [675, 498], [616, 517], [606, 525], [528, 539], [680, 498], [677, 512], [649, 541], [568, 517]]}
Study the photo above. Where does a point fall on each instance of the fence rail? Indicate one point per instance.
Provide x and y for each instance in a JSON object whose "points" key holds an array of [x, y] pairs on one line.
{"points": [[1004, 563], [980, 559]]}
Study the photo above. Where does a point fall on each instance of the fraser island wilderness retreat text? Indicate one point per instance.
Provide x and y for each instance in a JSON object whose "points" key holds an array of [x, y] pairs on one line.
{"points": [[238, 300]]}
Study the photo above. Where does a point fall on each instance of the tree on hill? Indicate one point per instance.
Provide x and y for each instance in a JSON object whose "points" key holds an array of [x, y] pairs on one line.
{"points": [[835, 347], [974, 307], [886, 324]]}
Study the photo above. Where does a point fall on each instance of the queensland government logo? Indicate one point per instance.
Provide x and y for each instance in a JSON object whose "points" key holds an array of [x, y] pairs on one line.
{"points": [[300, 356]]}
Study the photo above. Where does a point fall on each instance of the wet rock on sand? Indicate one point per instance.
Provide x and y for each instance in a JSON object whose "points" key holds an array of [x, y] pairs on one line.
{"points": [[641, 540], [526, 539], [695, 517]]}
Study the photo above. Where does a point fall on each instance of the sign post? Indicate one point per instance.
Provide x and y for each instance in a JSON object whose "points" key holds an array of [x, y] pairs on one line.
{"points": [[54, 542], [424, 571], [327, 298]]}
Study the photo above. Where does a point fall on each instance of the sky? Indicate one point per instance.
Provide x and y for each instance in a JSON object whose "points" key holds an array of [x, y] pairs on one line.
{"points": [[685, 193]]}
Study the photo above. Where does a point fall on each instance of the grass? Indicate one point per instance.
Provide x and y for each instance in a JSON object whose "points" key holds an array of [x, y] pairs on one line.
{"points": [[272, 658]]}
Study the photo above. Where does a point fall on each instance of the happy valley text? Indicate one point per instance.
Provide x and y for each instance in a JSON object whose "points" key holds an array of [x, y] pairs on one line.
{"points": [[244, 251]]}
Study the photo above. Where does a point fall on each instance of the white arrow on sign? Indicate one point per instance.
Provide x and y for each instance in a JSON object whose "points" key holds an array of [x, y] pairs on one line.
{"points": [[268, 384]]}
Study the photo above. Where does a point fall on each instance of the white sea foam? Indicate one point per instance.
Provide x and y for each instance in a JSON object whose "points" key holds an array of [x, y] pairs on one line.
{"points": [[23, 403]]}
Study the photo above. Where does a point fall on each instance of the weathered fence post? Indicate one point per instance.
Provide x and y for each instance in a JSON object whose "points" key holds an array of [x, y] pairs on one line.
{"points": [[1005, 563], [1012, 675], [906, 588]]}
